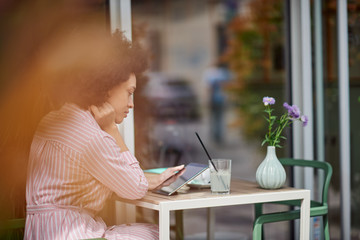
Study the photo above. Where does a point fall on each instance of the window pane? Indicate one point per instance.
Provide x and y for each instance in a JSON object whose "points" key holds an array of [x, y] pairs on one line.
{"points": [[212, 62]]}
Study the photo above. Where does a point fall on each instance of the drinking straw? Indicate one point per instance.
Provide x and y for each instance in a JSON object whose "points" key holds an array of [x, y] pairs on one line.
{"points": [[206, 151], [212, 163]]}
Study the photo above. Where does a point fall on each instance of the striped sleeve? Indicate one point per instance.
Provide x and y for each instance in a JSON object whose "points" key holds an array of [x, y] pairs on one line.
{"points": [[119, 171]]}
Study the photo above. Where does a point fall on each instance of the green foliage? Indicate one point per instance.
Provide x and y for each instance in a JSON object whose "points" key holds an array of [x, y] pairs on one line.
{"points": [[275, 128], [253, 38]]}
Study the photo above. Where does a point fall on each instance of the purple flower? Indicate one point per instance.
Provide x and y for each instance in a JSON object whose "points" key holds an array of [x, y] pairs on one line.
{"points": [[268, 101], [277, 125], [304, 120], [287, 106], [293, 111]]}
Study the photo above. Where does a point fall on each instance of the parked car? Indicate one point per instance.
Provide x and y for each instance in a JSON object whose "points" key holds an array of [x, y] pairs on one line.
{"points": [[175, 115], [173, 98]]}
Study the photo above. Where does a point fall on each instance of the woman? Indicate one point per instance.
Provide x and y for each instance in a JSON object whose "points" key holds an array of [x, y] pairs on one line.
{"points": [[77, 157]]}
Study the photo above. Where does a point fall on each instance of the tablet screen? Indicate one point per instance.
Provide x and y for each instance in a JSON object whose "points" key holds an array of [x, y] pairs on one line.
{"points": [[192, 170]]}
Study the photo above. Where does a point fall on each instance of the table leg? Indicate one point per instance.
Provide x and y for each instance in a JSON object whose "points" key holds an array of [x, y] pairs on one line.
{"points": [[210, 223], [130, 213], [305, 217], [179, 224], [164, 224]]}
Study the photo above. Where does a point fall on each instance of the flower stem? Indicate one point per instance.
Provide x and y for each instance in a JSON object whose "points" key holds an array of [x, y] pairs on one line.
{"points": [[270, 124], [284, 121]]}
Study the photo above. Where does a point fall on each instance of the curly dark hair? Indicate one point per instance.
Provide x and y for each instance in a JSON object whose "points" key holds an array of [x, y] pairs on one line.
{"points": [[86, 64]]}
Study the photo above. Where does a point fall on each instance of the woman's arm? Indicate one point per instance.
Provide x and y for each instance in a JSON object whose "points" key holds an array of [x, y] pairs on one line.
{"points": [[105, 117]]}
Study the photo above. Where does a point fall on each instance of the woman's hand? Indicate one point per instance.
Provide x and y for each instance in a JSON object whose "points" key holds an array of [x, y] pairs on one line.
{"points": [[164, 179], [104, 116]]}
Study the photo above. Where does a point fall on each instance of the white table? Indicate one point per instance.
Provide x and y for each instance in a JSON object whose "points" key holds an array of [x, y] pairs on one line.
{"points": [[242, 192]]}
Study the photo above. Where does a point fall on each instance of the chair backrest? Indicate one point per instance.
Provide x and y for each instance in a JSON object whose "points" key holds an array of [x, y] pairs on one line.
{"points": [[12, 229], [18, 223], [314, 164]]}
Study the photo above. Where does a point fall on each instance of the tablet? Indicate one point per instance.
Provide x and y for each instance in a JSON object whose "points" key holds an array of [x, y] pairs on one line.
{"points": [[192, 170]]}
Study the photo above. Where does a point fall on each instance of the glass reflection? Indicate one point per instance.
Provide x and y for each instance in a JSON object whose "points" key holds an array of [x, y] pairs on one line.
{"points": [[212, 62]]}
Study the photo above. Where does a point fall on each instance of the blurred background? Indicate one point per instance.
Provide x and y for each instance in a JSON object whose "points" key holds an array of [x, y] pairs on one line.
{"points": [[211, 62], [197, 41]]}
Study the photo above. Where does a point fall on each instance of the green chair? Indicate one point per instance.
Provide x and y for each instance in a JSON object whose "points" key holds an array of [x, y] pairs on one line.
{"points": [[316, 208], [13, 229]]}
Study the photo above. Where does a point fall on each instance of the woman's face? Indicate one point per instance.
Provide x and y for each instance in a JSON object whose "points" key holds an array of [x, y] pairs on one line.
{"points": [[121, 98]]}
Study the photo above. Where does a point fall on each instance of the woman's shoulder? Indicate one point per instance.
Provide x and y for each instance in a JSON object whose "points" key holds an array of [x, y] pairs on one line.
{"points": [[69, 125]]}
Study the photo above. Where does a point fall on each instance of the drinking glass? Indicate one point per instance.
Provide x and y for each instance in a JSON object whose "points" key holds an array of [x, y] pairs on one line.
{"points": [[220, 176]]}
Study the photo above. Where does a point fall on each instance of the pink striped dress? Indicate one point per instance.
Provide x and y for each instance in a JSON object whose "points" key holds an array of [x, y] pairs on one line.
{"points": [[74, 167]]}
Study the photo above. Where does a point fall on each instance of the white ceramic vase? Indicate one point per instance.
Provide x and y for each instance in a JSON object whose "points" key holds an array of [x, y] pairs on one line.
{"points": [[270, 173]]}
